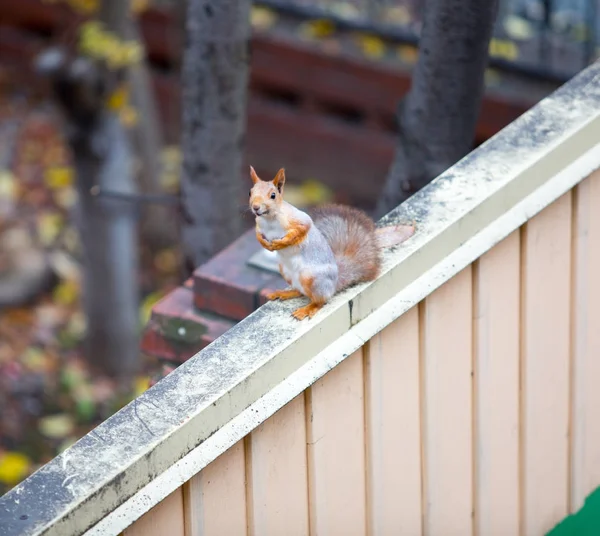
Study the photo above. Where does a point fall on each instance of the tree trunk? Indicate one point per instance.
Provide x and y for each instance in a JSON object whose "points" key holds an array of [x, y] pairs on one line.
{"points": [[438, 117], [108, 235], [158, 224], [107, 226], [214, 79]]}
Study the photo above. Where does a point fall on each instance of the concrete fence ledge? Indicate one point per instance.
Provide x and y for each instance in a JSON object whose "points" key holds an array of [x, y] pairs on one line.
{"points": [[129, 463]]}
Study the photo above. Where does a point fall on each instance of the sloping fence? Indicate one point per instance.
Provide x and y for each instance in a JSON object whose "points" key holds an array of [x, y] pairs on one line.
{"points": [[456, 394]]}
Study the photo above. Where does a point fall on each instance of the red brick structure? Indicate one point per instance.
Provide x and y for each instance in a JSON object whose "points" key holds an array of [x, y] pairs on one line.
{"points": [[221, 292]]}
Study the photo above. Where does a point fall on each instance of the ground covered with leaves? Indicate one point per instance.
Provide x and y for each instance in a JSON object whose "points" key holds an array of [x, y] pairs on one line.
{"points": [[48, 395]]}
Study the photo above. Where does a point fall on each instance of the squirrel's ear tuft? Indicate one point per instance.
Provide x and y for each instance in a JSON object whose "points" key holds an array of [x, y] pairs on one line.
{"points": [[279, 180], [253, 175]]}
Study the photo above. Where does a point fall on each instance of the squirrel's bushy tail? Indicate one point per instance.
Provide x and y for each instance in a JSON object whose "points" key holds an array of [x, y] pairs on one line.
{"points": [[351, 235]]}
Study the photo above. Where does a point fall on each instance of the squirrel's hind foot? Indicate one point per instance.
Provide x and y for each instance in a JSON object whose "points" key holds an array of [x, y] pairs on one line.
{"points": [[284, 295], [308, 311]]}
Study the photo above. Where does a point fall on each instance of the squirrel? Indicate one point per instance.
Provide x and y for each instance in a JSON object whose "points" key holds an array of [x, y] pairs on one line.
{"points": [[318, 256]]}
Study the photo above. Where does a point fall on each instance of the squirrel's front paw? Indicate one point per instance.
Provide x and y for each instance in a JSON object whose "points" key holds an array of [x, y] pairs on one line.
{"points": [[262, 240], [308, 311], [283, 295], [267, 245]]}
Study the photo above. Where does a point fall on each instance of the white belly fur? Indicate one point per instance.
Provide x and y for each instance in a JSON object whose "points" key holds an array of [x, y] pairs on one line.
{"points": [[292, 264], [289, 258], [313, 257]]}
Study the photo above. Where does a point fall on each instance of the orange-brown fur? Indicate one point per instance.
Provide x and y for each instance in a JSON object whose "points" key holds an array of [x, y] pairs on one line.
{"points": [[359, 244], [308, 311], [295, 236], [316, 303], [284, 294]]}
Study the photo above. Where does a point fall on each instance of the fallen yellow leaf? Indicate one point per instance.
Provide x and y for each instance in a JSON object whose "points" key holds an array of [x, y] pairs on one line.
{"points": [[317, 28], [262, 18], [119, 98], [66, 293], [146, 307], [14, 466], [49, 226], [59, 177], [34, 359], [502, 48], [315, 192], [142, 383], [372, 46], [57, 426], [8, 185]]}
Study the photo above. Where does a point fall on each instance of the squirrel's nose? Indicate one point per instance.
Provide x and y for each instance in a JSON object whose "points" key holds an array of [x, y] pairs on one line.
{"points": [[255, 207]]}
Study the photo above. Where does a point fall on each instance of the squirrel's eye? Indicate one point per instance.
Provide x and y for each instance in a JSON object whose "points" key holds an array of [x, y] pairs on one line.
{"points": [[250, 193], [273, 195]]}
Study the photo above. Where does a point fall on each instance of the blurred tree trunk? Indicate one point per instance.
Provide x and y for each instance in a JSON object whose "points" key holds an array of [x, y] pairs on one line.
{"points": [[437, 119], [158, 224], [107, 225], [214, 86]]}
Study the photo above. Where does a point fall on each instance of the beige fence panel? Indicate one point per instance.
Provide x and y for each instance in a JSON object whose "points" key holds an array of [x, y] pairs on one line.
{"points": [[393, 413], [446, 327], [545, 369], [165, 519], [278, 474], [586, 342], [215, 499], [336, 450], [496, 313]]}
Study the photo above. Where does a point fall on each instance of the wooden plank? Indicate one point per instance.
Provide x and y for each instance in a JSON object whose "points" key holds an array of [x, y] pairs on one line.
{"points": [[165, 518], [545, 366], [278, 474], [394, 429], [446, 323], [497, 332], [215, 499], [586, 342], [336, 456]]}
